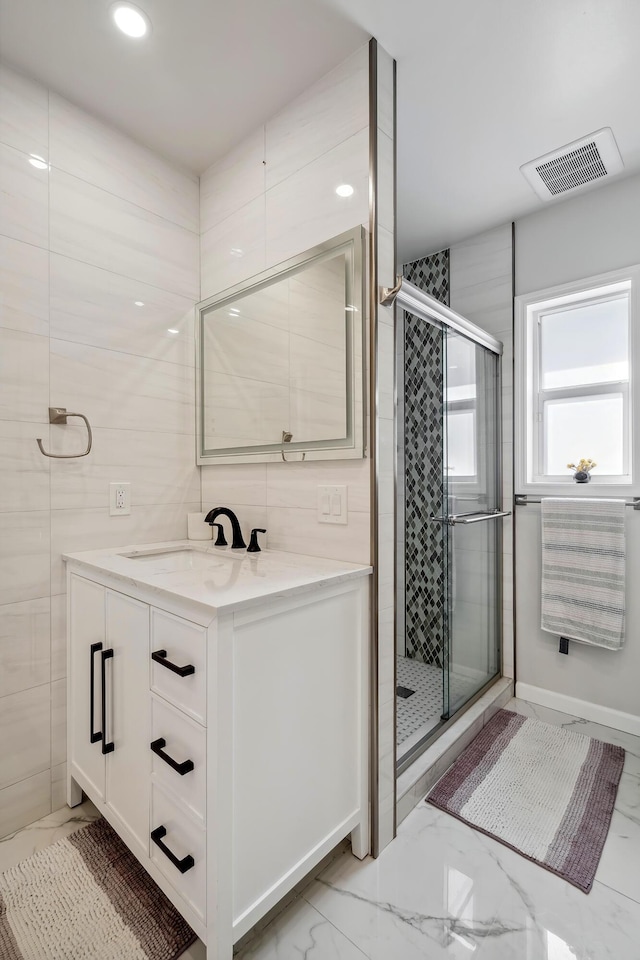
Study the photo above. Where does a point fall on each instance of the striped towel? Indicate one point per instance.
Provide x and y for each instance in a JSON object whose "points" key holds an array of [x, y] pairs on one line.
{"points": [[583, 570]]}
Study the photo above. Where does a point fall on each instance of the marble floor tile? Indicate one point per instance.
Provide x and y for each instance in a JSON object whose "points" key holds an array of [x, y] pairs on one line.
{"points": [[441, 890], [301, 931], [431, 893], [23, 843], [545, 918], [619, 867]]}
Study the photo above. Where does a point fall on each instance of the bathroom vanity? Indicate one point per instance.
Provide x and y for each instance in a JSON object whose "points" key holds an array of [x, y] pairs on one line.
{"points": [[218, 717]]}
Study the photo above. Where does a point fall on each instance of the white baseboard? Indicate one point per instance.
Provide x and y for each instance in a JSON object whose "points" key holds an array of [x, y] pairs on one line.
{"points": [[607, 716]]}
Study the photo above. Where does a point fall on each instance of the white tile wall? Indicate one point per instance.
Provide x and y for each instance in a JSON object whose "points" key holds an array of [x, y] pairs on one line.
{"points": [[273, 197], [109, 223], [318, 120], [91, 225], [24, 211], [24, 292], [91, 151]]}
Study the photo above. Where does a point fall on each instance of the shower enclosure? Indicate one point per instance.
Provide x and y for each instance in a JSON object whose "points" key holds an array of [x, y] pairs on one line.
{"points": [[449, 516]]}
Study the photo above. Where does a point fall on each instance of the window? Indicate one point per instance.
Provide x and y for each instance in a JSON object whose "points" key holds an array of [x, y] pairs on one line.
{"points": [[575, 360], [460, 410]]}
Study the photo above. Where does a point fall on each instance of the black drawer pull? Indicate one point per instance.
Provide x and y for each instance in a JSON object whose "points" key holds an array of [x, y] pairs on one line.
{"points": [[94, 735], [160, 656], [185, 767], [182, 865], [104, 656]]}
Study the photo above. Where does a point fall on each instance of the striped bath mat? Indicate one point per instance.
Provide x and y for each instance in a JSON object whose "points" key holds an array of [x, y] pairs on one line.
{"points": [[583, 570], [545, 792], [86, 897]]}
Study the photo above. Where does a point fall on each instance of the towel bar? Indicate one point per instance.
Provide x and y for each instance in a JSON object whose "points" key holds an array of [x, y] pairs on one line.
{"points": [[522, 499]]}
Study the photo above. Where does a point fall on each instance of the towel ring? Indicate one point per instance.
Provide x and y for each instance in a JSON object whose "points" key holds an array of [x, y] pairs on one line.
{"points": [[59, 415], [287, 437]]}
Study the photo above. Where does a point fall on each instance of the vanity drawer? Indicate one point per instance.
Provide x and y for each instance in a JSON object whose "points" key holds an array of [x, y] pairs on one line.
{"points": [[178, 664], [184, 741], [178, 849]]}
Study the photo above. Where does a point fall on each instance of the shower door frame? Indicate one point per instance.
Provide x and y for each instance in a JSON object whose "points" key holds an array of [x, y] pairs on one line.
{"points": [[407, 297]]}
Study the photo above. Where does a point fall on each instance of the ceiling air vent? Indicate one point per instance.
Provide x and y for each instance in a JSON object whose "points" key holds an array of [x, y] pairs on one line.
{"points": [[575, 166]]}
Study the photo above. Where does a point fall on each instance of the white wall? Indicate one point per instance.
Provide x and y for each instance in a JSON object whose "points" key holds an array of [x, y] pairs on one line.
{"points": [[590, 234], [109, 223], [481, 289], [271, 198]]}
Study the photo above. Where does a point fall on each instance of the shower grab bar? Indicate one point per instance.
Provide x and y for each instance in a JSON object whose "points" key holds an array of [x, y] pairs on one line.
{"points": [[59, 415], [471, 517]]}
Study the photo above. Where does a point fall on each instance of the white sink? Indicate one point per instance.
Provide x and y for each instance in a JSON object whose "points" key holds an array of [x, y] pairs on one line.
{"points": [[177, 561]]}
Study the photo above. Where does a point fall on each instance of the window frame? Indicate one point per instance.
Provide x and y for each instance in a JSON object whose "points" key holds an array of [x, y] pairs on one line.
{"points": [[530, 396]]}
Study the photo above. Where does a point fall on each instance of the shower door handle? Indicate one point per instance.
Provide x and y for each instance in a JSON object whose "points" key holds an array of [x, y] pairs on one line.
{"points": [[471, 517]]}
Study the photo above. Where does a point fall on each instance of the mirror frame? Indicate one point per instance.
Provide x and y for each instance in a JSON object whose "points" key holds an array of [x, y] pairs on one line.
{"points": [[352, 244]]}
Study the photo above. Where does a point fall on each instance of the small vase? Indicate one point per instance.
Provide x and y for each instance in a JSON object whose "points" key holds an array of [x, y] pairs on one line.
{"points": [[582, 476]]}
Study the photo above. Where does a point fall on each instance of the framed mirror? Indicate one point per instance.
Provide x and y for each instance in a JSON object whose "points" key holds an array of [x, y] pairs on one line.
{"points": [[280, 361]]}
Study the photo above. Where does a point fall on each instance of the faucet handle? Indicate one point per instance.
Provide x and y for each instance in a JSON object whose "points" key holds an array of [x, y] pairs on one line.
{"points": [[254, 546], [221, 540]]}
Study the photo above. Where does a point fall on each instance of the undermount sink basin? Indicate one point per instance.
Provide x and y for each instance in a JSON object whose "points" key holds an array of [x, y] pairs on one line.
{"points": [[177, 561]]}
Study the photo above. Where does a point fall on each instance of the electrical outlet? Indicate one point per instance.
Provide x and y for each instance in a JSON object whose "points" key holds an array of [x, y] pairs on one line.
{"points": [[119, 499], [332, 504]]}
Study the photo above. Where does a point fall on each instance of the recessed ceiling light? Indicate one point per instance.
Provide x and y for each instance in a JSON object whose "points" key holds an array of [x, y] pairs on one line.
{"points": [[236, 252], [233, 312], [172, 330], [344, 190], [38, 162], [130, 19], [138, 303]]}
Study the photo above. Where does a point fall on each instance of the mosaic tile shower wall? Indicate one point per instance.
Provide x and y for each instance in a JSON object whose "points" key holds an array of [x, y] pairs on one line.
{"points": [[425, 566]]}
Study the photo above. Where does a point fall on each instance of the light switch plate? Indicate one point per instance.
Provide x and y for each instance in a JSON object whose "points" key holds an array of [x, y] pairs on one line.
{"points": [[332, 504]]}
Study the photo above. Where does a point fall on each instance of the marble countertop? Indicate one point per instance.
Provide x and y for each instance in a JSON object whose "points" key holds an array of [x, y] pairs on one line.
{"points": [[218, 578]]}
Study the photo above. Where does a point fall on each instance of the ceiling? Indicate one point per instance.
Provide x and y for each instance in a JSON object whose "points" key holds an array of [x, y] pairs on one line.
{"points": [[482, 86], [209, 73]]}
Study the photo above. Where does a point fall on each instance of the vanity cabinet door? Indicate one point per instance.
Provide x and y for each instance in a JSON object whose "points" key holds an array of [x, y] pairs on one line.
{"points": [[86, 644], [128, 714]]}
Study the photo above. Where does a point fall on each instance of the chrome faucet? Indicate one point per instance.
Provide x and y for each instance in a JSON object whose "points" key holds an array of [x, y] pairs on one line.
{"points": [[238, 541]]}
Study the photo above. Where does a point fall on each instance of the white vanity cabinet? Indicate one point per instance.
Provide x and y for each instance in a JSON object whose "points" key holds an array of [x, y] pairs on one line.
{"points": [[110, 729], [222, 729]]}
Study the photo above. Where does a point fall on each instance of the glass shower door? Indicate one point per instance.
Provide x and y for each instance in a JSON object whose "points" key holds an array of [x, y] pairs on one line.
{"points": [[472, 519]]}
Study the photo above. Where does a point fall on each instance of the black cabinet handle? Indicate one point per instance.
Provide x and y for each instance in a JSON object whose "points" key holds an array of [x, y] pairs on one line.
{"points": [[160, 656], [182, 865], [94, 735], [104, 656], [185, 767]]}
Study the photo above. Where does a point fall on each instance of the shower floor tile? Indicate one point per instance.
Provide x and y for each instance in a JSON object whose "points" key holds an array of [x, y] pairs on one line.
{"points": [[420, 713]]}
